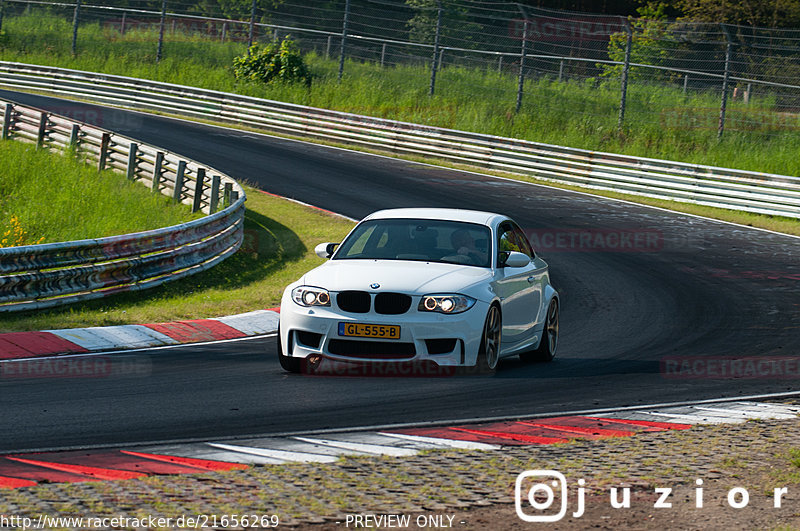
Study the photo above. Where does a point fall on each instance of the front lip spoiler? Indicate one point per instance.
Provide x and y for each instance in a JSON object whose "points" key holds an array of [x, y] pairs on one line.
{"points": [[322, 365]]}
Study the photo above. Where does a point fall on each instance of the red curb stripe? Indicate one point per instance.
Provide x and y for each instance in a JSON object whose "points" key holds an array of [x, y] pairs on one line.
{"points": [[115, 460], [25, 344], [15, 483], [530, 439], [579, 430], [36, 473], [197, 330], [94, 472], [647, 423], [276, 309], [203, 464], [594, 422]]}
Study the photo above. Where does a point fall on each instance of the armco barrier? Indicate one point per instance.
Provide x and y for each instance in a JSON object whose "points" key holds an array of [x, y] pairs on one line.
{"points": [[45, 275], [706, 185]]}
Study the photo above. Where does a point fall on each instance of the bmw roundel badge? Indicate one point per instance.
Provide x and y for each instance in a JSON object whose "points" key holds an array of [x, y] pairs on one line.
{"points": [[374, 285]]}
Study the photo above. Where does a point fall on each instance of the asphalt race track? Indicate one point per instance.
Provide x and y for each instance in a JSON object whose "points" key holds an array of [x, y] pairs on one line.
{"points": [[692, 288]]}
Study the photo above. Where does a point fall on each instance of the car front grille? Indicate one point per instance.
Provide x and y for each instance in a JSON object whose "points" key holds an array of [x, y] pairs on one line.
{"points": [[392, 303], [353, 301], [376, 350], [385, 303]]}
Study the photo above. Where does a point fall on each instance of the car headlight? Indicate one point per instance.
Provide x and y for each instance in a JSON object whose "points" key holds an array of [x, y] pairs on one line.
{"points": [[308, 296], [448, 303]]}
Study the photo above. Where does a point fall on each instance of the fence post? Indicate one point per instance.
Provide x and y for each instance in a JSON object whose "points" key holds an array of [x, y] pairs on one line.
{"points": [[133, 152], [500, 63], [157, 171], [8, 116], [224, 31], [435, 60], [198, 189], [383, 54], [724, 104], [226, 194], [685, 83], [105, 142], [76, 15], [42, 130], [344, 38], [625, 69], [560, 71], [521, 81], [176, 193], [328, 47], [161, 30], [122, 24], [747, 93], [252, 33], [74, 137], [213, 200]]}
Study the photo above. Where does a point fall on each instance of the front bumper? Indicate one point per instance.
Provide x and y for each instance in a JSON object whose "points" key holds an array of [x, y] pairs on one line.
{"points": [[424, 336]]}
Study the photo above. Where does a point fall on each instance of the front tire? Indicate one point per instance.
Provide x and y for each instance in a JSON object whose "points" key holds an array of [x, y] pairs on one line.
{"points": [[546, 350], [489, 352], [288, 363]]}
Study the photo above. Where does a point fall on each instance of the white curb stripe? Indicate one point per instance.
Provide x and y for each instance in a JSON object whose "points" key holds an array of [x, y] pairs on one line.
{"points": [[446, 443], [114, 337], [283, 455], [253, 323], [750, 414], [361, 447]]}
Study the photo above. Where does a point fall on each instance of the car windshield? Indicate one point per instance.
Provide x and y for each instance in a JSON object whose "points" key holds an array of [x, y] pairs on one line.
{"points": [[418, 239]]}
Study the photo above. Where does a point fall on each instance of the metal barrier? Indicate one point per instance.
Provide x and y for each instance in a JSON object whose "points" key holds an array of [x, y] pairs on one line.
{"points": [[705, 185], [46, 275]]}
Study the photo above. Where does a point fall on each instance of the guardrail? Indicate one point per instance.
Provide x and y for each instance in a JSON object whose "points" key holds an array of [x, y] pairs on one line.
{"points": [[46, 275], [706, 185]]}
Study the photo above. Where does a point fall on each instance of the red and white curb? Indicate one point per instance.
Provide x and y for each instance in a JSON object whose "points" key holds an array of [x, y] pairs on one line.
{"points": [[21, 345], [23, 470]]}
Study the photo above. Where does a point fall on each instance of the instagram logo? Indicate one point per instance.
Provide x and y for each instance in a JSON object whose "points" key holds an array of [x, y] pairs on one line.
{"points": [[536, 489]]}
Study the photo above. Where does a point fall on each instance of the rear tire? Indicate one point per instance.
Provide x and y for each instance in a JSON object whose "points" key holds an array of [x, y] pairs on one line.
{"points": [[489, 351], [546, 350], [288, 363]]}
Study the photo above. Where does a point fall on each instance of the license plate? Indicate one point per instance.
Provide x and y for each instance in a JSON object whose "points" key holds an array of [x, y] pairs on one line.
{"points": [[369, 330]]}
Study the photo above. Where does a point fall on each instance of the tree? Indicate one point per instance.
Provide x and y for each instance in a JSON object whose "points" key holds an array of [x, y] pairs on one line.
{"points": [[766, 13], [652, 44]]}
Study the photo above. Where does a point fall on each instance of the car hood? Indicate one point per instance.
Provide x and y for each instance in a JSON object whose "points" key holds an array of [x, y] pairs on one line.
{"points": [[396, 275]]}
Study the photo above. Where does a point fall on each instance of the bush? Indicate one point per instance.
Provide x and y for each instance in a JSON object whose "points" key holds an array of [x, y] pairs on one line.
{"points": [[272, 62]]}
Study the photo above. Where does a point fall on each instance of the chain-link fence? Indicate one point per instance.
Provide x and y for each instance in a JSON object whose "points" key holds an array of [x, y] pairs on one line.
{"points": [[670, 74]]}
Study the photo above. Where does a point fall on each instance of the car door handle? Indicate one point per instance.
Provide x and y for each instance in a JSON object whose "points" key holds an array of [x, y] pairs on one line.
{"points": [[531, 279]]}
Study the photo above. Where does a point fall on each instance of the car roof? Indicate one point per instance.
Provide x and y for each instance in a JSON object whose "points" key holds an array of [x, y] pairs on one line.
{"points": [[449, 214]]}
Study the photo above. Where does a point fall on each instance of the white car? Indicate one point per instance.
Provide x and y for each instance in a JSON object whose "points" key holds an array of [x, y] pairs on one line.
{"points": [[458, 288]]}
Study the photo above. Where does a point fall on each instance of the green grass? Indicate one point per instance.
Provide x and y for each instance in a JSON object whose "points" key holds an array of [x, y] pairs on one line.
{"points": [[52, 198], [578, 114], [280, 237]]}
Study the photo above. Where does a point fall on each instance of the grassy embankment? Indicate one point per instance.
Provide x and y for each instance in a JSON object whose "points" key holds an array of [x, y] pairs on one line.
{"points": [[45, 197]]}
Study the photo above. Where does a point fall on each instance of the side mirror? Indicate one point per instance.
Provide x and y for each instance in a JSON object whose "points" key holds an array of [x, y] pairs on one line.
{"points": [[514, 259], [325, 250]]}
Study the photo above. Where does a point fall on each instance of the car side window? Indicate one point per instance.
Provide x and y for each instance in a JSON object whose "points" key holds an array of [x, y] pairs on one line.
{"points": [[522, 242], [511, 238]]}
